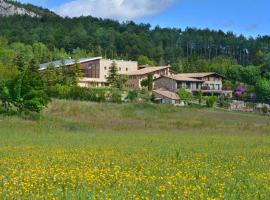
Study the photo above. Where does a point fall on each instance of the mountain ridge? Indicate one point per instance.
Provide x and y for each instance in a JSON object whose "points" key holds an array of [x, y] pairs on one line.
{"points": [[10, 8]]}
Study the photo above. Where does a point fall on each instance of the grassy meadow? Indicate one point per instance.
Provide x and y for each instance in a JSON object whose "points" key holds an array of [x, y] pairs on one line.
{"points": [[81, 150]]}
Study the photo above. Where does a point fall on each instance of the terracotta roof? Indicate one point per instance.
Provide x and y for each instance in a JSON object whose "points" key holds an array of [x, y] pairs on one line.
{"points": [[167, 93], [180, 77], [146, 70], [199, 75]]}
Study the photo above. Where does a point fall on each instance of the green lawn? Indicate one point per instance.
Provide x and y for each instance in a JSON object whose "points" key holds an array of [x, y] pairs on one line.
{"points": [[80, 150]]}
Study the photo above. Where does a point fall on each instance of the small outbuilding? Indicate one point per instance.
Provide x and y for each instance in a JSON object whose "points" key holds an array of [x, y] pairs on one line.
{"points": [[164, 96]]}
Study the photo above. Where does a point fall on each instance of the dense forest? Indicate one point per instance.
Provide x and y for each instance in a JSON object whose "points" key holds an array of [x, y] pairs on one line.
{"points": [[50, 37], [129, 40]]}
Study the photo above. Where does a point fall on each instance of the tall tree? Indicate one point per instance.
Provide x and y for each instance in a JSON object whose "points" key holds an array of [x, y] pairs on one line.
{"points": [[113, 74]]}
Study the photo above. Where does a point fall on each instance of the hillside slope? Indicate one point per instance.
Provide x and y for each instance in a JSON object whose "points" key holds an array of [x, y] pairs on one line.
{"points": [[76, 115]]}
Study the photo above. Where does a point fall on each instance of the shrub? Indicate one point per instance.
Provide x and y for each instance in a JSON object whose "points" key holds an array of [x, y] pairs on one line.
{"points": [[184, 94], [26, 92], [87, 94], [224, 101], [116, 96], [78, 93], [59, 91], [210, 101], [262, 89], [240, 91], [199, 96], [264, 109], [132, 95]]}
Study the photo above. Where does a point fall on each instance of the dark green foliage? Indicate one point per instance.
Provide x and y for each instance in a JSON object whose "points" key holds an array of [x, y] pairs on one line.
{"points": [[116, 80], [120, 81], [264, 109], [113, 75], [5, 97], [128, 40], [26, 92], [223, 101], [148, 82], [19, 62], [79, 93], [199, 96], [87, 94], [132, 95]]}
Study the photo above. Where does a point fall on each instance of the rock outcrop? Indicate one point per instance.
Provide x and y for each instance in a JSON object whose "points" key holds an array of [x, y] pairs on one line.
{"points": [[8, 9]]}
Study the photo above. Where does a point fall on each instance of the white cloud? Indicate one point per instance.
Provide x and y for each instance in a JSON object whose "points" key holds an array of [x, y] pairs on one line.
{"points": [[115, 9]]}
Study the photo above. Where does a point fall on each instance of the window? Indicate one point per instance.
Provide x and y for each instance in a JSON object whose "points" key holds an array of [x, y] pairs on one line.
{"points": [[119, 68], [105, 68], [126, 69], [105, 76]]}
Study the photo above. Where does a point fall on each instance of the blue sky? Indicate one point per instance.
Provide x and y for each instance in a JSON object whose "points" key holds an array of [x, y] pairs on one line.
{"points": [[249, 17]]}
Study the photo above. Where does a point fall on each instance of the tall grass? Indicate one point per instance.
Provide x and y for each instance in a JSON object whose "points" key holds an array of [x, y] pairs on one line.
{"points": [[80, 150]]}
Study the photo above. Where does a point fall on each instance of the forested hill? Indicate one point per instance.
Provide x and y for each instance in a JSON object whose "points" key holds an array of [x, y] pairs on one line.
{"points": [[128, 40]]}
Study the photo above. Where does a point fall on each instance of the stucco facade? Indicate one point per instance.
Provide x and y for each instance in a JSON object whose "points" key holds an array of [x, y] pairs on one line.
{"points": [[95, 71], [135, 78], [174, 84], [209, 83], [212, 83], [103, 68]]}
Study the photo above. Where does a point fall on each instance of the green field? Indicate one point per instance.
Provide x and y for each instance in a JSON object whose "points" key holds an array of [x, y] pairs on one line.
{"points": [[80, 150]]}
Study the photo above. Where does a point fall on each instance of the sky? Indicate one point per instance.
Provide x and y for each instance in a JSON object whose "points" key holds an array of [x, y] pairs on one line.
{"points": [[247, 17]]}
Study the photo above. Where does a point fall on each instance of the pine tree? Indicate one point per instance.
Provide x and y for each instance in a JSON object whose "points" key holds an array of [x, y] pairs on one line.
{"points": [[76, 73], [113, 75], [19, 62], [34, 66]]}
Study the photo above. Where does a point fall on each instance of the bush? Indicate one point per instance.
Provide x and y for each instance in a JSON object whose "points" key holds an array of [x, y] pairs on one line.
{"points": [[210, 101], [199, 96], [88, 94], [78, 93], [59, 91], [184, 94], [264, 109], [262, 89], [116, 96], [145, 96], [132, 95], [224, 101]]}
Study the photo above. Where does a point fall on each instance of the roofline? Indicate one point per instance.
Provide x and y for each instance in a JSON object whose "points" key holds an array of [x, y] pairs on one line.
{"points": [[106, 59], [178, 80], [161, 68], [72, 63], [156, 91], [210, 73]]}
